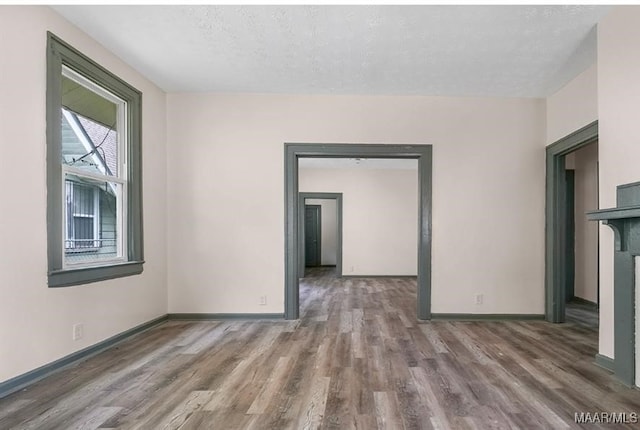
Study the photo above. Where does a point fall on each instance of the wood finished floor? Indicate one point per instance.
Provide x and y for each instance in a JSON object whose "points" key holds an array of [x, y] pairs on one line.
{"points": [[356, 359], [582, 314]]}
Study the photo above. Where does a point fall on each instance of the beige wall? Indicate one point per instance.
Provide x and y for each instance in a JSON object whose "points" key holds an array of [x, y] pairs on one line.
{"points": [[619, 139], [637, 336], [36, 321], [379, 217], [573, 106], [329, 230], [586, 232], [226, 229]]}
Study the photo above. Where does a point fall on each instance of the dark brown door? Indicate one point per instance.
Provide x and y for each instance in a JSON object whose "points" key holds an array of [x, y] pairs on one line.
{"points": [[312, 235]]}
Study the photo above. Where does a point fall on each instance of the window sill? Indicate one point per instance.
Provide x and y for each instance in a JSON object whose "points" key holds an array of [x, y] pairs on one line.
{"points": [[86, 275]]}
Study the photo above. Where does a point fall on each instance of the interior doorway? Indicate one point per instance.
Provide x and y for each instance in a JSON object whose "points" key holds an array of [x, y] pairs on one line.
{"points": [[582, 288], [312, 235], [293, 212], [303, 199], [560, 235]]}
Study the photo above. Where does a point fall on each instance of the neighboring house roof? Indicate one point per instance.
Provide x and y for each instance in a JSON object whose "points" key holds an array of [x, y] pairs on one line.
{"points": [[105, 139], [86, 143]]}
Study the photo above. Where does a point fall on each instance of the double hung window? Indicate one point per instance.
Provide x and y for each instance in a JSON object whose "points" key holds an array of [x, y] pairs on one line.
{"points": [[94, 212]]}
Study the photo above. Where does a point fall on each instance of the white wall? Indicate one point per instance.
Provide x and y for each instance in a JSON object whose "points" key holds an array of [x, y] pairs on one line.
{"points": [[379, 217], [329, 230], [586, 232], [573, 106], [619, 139], [226, 175], [36, 321]]}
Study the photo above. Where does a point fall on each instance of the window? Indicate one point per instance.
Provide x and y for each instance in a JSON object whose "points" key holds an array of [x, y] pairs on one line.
{"points": [[94, 210]]}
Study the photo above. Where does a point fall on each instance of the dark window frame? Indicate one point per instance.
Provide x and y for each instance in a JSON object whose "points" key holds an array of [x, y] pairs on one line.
{"points": [[60, 53]]}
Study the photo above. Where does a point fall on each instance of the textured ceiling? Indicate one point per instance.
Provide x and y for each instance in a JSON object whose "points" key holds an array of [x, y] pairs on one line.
{"points": [[509, 51]]}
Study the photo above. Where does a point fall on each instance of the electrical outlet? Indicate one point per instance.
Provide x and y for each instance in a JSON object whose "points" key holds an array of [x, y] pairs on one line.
{"points": [[78, 331], [479, 299], [263, 300]]}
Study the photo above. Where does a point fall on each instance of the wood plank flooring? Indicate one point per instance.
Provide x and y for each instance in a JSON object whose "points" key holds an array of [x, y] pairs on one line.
{"points": [[357, 359], [582, 314]]}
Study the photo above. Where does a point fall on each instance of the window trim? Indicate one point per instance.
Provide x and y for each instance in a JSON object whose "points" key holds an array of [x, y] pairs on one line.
{"points": [[60, 53]]}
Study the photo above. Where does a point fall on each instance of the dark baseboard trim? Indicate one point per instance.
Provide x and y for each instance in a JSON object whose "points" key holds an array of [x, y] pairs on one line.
{"points": [[21, 381], [605, 362], [380, 276], [205, 316], [581, 301], [487, 317]]}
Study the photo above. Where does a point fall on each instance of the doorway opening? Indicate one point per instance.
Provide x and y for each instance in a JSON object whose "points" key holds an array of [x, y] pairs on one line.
{"points": [[571, 245], [582, 289], [293, 216], [330, 231]]}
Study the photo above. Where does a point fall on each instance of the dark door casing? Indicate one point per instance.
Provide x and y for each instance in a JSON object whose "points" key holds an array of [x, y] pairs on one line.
{"points": [[571, 237], [294, 214]]}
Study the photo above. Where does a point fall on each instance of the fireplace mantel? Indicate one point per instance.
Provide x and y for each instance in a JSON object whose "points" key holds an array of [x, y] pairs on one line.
{"points": [[624, 220], [620, 220]]}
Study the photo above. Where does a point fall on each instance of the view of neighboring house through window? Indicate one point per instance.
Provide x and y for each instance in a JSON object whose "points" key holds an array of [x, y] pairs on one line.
{"points": [[94, 171], [95, 182]]}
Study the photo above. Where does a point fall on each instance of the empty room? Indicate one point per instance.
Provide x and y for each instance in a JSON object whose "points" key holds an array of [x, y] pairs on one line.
{"points": [[292, 217]]}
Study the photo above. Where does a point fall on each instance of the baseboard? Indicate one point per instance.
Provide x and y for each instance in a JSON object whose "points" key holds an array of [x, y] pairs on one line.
{"points": [[487, 317], [380, 276], [605, 362], [581, 301], [21, 381], [239, 316]]}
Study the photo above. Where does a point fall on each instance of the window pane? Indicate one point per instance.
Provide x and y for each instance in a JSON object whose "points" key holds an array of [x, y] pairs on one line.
{"points": [[92, 222], [89, 129], [83, 200], [83, 231]]}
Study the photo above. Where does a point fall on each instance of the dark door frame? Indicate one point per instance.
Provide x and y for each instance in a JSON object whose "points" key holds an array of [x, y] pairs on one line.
{"points": [[570, 196], [323, 196], [294, 151], [555, 215], [318, 246]]}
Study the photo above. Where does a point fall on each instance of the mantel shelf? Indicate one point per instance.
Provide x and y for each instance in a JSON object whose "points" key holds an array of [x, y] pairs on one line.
{"points": [[614, 213], [624, 220]]}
